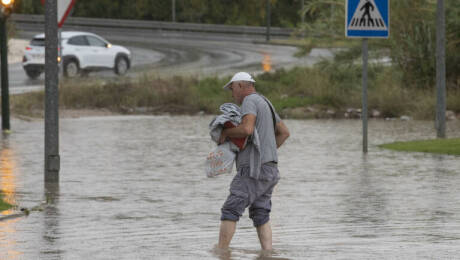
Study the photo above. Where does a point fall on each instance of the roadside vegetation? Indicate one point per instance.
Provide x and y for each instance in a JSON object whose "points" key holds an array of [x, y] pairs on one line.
{"points": [[4, 205], [328, 89], [439, 146]]}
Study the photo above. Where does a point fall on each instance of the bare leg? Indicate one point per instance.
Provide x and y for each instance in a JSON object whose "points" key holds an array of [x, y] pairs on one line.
{"points": [[227, 229], [265, 236]]}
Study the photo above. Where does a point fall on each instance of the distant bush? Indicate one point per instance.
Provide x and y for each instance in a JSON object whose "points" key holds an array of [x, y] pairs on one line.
{"points": [[4, 205]]}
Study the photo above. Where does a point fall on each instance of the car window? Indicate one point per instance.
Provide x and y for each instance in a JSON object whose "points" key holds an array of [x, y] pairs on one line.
{"points": [[78, 40], [37, 42], [96, 42]]}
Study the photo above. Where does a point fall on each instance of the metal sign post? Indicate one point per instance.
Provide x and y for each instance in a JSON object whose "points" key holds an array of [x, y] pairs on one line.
{"points": [[56, 12], [364, 108], [268, 20], [367, 19], [60, 59], [173, 10], [52, 159], [4, 72], [440, 71], [6, 7]]}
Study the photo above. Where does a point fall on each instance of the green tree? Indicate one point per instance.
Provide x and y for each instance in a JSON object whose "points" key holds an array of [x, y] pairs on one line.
{"points": [[453, 44], [412, 41], [159, 10], [325, 18], [28, 7], [236, 12]]}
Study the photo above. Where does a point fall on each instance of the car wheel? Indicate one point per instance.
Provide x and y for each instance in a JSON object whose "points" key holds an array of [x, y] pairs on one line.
{"points": [[71, 69], [33, 74], [121, 65]]}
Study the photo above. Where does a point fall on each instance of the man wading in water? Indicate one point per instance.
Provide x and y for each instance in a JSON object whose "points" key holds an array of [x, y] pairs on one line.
{"points": [[257, 169]]}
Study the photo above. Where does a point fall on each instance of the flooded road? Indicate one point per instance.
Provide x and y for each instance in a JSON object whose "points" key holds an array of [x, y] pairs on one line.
{"points": [[134, 187]]}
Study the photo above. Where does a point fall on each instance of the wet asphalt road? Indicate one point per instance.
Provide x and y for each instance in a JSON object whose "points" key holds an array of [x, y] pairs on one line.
{"points": [[174, 53]]}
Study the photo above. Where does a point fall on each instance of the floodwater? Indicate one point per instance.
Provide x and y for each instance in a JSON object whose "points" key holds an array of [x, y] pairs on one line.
{"points": [[134, 187]]}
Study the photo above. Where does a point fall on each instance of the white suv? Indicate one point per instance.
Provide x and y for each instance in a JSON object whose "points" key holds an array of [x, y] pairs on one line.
{"points": [[82, 52]]}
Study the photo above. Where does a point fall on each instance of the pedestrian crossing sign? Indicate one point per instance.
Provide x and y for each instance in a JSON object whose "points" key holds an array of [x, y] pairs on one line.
{"points": [[367, 18]]}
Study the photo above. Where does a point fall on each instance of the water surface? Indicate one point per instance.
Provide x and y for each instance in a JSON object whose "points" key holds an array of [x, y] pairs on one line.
{"points": [[134, 187]]}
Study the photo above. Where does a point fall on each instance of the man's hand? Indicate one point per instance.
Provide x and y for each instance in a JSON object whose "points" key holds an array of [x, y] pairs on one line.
{"points": [[223, 137], [246, 128], [281, 133]]}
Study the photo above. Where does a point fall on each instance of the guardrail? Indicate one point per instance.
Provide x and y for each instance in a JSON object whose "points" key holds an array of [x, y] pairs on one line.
{"points": [[38, 20]]}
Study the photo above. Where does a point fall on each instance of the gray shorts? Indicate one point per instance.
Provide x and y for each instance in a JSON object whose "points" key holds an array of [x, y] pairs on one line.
{"points": [[257, 194]]}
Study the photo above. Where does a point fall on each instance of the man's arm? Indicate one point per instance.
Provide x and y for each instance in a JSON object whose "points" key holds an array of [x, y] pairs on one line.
{"points": [[281, 133], [246, 128]]}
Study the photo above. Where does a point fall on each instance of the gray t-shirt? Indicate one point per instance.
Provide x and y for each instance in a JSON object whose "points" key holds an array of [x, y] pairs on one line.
{"points": [[255, 104]]}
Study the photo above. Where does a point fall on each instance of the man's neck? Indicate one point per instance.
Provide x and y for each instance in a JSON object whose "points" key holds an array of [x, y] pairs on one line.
{"points": [[249, 92]]}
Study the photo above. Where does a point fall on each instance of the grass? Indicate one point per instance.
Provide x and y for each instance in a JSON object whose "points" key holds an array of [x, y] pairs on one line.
{"points": [[4, 205], [439, 146], [305, 45], [326, 86]]}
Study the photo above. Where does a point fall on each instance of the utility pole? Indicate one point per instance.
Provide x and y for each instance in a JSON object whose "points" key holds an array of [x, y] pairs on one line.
{"points": [[52, 159], [440, 70], [173, 10], [5, 88], [332, 12], [268, 20], [302, 16], [6, 7]]}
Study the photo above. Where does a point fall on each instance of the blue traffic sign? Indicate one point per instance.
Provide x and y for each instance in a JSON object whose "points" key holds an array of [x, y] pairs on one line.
{"points": [[367, 18]]}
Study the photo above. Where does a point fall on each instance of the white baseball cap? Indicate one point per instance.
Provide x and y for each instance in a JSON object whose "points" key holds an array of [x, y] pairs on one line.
{"points": [[240, 76]]}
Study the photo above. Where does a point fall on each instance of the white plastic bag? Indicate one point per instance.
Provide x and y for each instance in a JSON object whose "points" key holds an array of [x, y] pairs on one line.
{"points": [[220, 160]]}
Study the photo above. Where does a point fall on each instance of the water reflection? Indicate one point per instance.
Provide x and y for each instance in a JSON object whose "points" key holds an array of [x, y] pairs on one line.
{"points": [[50, 228], [368, 201], [365, 202], [8, 190], [236, 253], [7, 241], [440, 210], [7, 177]]}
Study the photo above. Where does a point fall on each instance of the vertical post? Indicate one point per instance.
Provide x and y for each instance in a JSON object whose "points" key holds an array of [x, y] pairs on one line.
{"points": [[440, 70], [364, 110], [52, 160], [302, 16], [4, 72], [173, 10], [268, 20], [332, 12], [60, 60]]}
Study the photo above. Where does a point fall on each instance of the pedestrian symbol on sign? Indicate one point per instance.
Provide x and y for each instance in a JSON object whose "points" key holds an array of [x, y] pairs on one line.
{"points": [[367, 17]]}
